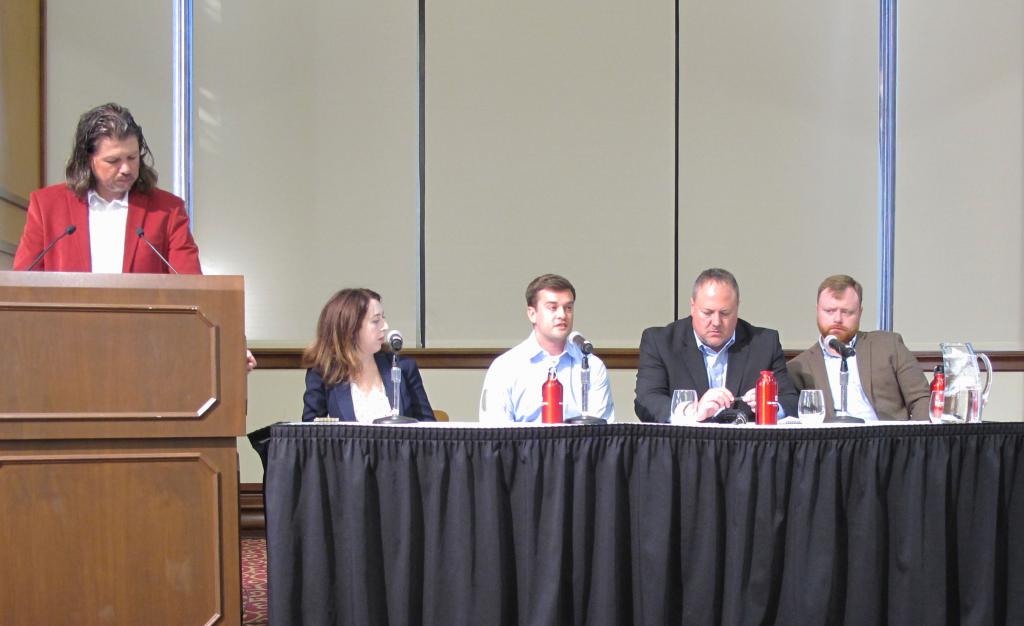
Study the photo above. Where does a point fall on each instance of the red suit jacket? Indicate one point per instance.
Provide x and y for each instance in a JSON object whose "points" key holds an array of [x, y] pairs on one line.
{"points": [[160, 214]]}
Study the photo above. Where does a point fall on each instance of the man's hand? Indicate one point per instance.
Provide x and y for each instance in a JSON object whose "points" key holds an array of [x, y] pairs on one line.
{"points": [[250, 361], [751, 399], [713, 401]]}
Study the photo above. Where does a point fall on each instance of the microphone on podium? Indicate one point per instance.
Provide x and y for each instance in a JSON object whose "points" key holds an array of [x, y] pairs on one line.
{"points": [[70, 230], [142, 235]]}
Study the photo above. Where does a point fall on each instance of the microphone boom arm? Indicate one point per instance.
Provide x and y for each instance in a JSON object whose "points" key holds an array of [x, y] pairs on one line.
{"points": [[142, 236], [67, 231]]}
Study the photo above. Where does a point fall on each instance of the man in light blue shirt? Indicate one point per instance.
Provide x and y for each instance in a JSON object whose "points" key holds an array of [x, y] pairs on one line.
{"points": [[512, 388]]}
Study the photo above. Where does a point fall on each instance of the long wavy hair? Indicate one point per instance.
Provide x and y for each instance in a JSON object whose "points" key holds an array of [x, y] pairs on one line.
{"points": [[334, 352], [111, 121]]}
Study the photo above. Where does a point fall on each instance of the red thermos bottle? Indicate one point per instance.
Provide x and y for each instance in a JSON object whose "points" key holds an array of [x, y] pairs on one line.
{"points": [[767, 398], [551, 396], [938, 399]]}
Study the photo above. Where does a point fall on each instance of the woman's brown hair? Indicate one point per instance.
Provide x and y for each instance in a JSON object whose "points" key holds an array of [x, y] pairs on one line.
{"points": [[334, 352]]}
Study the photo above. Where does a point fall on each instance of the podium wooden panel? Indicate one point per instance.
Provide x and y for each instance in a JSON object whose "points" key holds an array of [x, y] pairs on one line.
{"points": [[121, 397]]}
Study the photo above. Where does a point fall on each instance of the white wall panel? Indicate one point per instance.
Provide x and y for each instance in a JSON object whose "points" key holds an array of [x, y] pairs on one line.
{"points": [[549, 148], [108, 51], [778, 150], [960, 166], [306, 158]]}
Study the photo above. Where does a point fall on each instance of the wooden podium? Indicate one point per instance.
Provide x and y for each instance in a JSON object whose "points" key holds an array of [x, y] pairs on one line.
{"points": [[120, 400]]}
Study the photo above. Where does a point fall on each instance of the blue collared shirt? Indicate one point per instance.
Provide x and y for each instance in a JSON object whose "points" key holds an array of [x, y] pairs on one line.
{"points": [[716, 363], [857, 403], [512, 388]]}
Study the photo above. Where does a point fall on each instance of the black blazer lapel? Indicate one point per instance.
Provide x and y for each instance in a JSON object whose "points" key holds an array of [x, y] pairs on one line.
{"points": [[341, 402], [739, 354]]}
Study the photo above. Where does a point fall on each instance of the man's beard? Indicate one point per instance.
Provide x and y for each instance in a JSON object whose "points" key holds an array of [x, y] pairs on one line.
{"points": [[845, 334]]}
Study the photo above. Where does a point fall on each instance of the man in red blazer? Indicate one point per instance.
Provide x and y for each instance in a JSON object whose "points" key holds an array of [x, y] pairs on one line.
{"points": [[109, 195], [94, 219]]}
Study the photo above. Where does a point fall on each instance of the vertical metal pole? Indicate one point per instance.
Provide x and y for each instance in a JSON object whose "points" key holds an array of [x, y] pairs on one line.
{"points": [[886, 162], [181, 99], [421, 303], [675, 187]]}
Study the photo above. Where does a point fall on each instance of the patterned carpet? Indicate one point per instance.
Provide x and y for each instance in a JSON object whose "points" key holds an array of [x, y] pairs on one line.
{"points": [[254, 581]]}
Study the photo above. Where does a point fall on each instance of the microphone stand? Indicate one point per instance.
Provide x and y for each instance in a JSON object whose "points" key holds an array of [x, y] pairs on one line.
{"points": [[70, 230], [396, 384], [844, 381], [585, 418], [842, 416], [142, 235]]}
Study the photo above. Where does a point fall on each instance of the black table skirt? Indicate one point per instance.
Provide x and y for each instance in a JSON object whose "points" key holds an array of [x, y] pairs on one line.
{"points": [[646, 524]]}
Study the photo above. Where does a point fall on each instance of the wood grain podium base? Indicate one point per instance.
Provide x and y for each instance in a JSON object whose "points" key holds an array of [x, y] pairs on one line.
{"points": [[130, 532], [121, 398]]}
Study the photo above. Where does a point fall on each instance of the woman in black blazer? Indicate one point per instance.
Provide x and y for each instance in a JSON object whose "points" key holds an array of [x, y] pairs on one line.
{"points": [[348, 370]]}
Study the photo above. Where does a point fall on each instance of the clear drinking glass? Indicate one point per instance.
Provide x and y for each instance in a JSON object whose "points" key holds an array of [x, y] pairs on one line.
{"points": [[811, 406], [684, 406]]}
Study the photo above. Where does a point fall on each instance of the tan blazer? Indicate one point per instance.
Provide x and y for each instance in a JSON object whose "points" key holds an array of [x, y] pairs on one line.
{"points": [[890, 375]]}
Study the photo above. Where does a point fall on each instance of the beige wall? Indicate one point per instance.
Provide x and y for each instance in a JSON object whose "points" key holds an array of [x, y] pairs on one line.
{"points": [[306, 160], [778, 171], [549, 149], [86, 67], [960, 165]]}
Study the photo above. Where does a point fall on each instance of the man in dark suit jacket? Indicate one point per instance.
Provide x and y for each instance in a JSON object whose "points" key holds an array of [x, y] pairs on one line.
{"points": [[889, 382], [712, 351]]}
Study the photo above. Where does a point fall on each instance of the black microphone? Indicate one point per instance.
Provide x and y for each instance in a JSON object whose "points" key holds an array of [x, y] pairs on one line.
{"points": [[67, 231], [581, 342], [394, 340], [142, 235], [844, 350]]}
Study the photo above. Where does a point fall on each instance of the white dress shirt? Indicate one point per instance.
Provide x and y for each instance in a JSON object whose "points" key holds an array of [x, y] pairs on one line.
{"points": [[107, 223], [370, 406]]}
